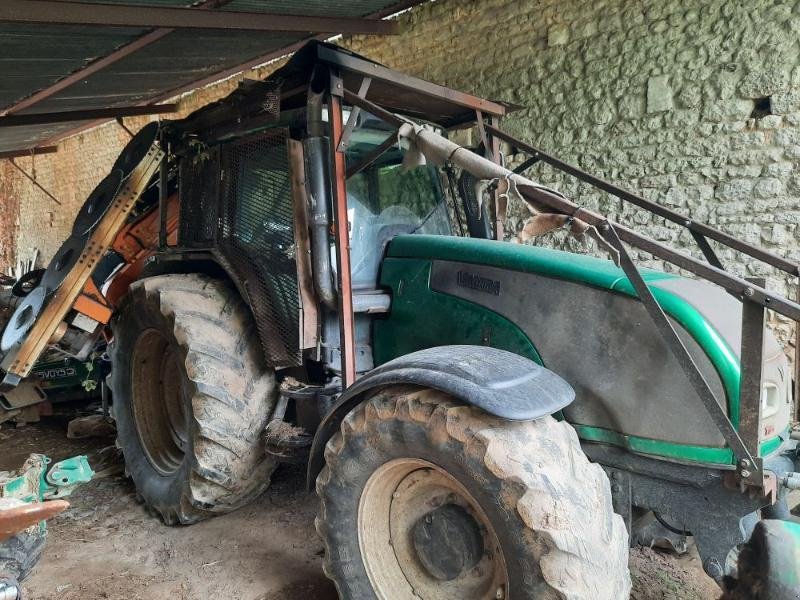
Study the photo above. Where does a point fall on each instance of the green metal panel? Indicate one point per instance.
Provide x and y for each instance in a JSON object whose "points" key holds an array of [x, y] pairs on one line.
{"points": [[422, 318], [698, 454], [581, 269], [66, 374]]}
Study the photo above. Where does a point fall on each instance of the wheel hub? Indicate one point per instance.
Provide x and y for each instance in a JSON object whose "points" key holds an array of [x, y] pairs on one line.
{"points": [[423, 535], [448, 542], [158, 401]]}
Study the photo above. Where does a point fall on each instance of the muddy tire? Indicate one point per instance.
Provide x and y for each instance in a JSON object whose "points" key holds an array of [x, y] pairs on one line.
{"points": [[191, 397], [423, 497], [20, 553]]}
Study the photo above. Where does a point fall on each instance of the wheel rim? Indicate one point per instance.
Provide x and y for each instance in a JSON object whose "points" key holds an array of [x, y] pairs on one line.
{"points": [[408, 510], [158, 401]]}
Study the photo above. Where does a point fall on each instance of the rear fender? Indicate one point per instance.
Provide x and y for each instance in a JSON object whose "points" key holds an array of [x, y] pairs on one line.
{"points": [[499, 382]]}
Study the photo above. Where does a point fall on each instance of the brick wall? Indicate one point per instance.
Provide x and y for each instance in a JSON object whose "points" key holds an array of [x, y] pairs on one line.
{"points": [[669, 99]]}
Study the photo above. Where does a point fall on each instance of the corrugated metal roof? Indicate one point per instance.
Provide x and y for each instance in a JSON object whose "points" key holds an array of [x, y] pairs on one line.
{"points": [[34, 57], [340, 8]]}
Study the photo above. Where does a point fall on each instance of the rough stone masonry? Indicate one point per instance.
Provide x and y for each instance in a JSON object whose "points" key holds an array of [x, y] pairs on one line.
{"points": [[693, 104]]}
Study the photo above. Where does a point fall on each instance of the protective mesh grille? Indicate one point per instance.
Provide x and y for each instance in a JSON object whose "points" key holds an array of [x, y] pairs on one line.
{"points": [[256, 238], [198, 180]]}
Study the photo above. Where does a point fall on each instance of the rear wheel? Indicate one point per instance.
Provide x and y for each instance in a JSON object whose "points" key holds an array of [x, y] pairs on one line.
{"points": [[423, 497], [191, 397]]}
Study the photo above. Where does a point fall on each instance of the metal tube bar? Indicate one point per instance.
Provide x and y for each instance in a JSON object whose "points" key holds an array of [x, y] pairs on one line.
{"points": [[705, 230], [707, 250], [527, 164], [28, 152], [85, 115], [693, 374], [163, 182], [754, 320], [84, 13], [419, 86], [341, 229], [373, 155], [353, 118], [34, 182], [372, 108]]}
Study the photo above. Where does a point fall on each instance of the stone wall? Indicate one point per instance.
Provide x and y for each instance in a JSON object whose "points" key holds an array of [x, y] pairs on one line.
{"points": [[693, 104]]}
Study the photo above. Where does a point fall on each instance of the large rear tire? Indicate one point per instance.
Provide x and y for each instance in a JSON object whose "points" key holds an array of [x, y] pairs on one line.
{"points": [[423, 497], [191, 397]]}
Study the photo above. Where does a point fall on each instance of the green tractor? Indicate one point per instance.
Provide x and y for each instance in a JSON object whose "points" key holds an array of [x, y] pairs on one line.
{"points": [[480, 419]]}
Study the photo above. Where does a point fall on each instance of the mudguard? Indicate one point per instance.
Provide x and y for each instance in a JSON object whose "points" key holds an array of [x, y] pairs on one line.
{"points": [[499, 382]]}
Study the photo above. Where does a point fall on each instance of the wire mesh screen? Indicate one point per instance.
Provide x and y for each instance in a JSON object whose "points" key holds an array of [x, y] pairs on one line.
{"points": [[256, 238], [198, 181]]}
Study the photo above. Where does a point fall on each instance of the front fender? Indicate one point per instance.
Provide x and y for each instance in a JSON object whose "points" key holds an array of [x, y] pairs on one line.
{"points": [[499, 382]]}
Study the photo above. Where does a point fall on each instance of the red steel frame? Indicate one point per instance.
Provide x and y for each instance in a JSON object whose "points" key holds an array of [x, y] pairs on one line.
{"points": [[342, 234]]}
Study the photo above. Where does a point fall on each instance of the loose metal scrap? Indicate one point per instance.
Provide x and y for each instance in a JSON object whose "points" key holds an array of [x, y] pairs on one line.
{"points": [[138, 168]]}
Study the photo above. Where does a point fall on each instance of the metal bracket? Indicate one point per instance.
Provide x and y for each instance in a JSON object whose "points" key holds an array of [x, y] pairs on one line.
{"points": [[706, 249], [526, 164], [344, 141], [621, 494], [121, 123]]}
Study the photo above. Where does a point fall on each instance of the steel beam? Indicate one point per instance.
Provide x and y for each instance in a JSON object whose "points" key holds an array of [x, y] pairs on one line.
{"points": [[102, 63], [420, 86], [85, 115], [29, 152], [241, 67], [771, 259], [121, 15], [90, 69], [754, 322], [342, 235]]}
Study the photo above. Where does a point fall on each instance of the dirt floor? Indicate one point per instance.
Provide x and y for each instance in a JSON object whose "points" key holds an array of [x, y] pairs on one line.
{"points": [[106, 546]]}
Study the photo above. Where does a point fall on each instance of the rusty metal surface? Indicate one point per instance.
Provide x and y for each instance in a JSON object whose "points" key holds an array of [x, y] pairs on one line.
{"points": [[341, 230], [84, 115], [18, 518], [124, 66], [120, 15], [754, 321]]}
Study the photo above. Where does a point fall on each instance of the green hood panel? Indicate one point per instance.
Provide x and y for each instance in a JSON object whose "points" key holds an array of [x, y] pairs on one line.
{"points": [[588, 270], [531, 259], [448, 319]]}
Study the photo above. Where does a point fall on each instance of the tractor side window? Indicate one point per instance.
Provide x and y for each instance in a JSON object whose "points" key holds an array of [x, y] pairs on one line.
{"points": [[385, 200]]}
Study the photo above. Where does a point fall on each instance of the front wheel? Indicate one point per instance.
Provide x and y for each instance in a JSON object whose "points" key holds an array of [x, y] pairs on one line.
{"points": [[423, 497]]}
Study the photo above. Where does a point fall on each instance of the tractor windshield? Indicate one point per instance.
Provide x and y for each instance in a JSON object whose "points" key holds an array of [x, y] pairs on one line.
{"points": [[386, 199]]}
